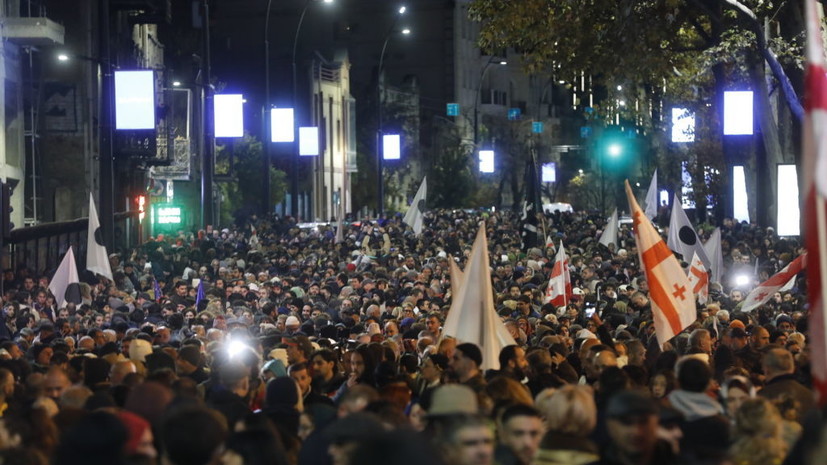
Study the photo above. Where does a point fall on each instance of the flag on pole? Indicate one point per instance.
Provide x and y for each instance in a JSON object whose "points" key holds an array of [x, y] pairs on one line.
{"points": [[609, 235], [814, 144], [699, 279], [65, 285], [712, 247], [559, 291], [157, 290], [473, 317], [340, 231], [652, 197], [682, 236], [530, 233], [673, 307], [200, 294], [456, 276], [97, 260], [765, 290], [415, 215]]}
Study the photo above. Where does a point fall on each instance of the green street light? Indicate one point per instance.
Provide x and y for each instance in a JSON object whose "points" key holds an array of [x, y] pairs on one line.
{"points": [[615, 150]]}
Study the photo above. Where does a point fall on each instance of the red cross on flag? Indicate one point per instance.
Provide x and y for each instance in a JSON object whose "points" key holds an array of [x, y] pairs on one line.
{"points": [[814, 161], [765, 290], [699, 279], [559, 285], [673, 306]]}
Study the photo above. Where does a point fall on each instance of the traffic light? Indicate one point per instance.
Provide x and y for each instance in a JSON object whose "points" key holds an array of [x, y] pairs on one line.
{"points": [[5, 215], [141, 201]]}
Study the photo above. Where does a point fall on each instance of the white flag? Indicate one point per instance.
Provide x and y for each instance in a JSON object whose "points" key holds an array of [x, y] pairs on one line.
{"points": [[682, 236], [699, 279], [416, 212], [473, 317], [64, 284], [652, 197], [456, 276], [673, 307], [609, 235], [97, 260], [716, 257]]}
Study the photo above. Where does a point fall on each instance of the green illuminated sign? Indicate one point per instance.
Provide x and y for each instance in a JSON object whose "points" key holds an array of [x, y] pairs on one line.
{"points": [[166, 214]]}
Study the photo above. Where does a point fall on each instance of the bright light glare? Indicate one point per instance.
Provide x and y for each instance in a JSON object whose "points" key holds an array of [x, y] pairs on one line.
{"points": [[328, 1], [741, 280], [622, 103], [789, 214], [309, 141], [683, 125], [614, 150], [740, 204], [619, 87], [229, 115], [738, 113], [176, 83], [486, 161], [549, 172], [281, 125], [402, 10], [134, 99], [580, 172], [63, 57], [391, 147], [406, 31], [235, 348]]}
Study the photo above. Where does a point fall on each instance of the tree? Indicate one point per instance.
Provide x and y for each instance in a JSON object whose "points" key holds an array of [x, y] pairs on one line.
{"points": [[241, 196], [667, 52]]}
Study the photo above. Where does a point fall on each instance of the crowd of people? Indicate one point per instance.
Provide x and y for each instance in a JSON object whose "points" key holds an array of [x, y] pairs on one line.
{"points": [[269, 343]]}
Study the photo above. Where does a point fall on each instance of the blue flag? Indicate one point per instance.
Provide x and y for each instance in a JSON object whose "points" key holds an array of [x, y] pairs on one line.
{"points": [[199, 296], [158, 293]]}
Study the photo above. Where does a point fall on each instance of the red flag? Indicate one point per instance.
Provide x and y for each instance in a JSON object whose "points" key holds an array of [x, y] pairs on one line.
{"points": [[765, 290], [673, 307], [699, 279], [559, 285], [814, 143]]}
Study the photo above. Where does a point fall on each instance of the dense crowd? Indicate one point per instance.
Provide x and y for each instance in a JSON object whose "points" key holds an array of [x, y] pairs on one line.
{"points": [[270, 343]]}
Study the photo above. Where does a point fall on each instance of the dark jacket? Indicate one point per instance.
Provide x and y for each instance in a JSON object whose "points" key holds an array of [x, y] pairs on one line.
{"points": [[787, 386]]}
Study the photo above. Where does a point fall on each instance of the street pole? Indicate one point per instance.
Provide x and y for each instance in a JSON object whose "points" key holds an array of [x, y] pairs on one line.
{"points": [[477, 99], [208, 160], [106, 188], [265, 118], [294, 156], [380, 179]]}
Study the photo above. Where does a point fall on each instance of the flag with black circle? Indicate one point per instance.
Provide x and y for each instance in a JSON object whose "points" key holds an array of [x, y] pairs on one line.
{"points": [[530, 234], [65, 285], [97, 261], [682, 236]]}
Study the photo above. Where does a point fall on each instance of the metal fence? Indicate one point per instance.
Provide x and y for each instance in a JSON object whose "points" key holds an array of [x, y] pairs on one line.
{"points": [[40, 248]]}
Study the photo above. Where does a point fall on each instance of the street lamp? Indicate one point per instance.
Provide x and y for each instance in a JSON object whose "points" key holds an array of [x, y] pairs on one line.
{"points": [[380, 181], [477, 96], [294, 180]]}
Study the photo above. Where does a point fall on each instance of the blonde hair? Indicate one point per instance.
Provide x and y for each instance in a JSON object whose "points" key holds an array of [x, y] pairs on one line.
{"points": [[758, 434], [570, 410]]}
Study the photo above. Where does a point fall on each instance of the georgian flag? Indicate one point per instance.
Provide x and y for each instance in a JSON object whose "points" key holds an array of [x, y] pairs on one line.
{"points": [[765, 290], [673, 306], [559, 290], [814, 144], [699, 280]]}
